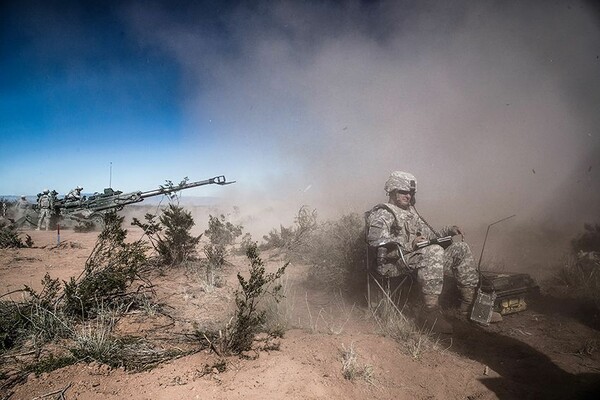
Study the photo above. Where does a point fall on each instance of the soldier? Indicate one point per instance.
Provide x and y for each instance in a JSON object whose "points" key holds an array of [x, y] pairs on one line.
{"points": [[398, 221], [45, 204], [74, 195], [21, 207]]}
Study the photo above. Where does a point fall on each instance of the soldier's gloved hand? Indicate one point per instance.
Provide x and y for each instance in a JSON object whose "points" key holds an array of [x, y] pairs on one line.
{"points": [[418, 239]]}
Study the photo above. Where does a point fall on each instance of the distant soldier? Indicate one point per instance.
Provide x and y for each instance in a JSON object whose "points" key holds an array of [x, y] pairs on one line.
{"points": [[45, 204], [21, 207], [74, 195]]}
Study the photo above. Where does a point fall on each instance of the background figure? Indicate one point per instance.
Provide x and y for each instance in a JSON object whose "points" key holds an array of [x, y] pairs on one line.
{"points": [[21, 207], [45, 203], [74, 194]]}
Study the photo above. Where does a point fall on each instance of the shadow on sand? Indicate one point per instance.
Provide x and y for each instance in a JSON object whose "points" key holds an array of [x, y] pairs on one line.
{"points": [[525, 372]]}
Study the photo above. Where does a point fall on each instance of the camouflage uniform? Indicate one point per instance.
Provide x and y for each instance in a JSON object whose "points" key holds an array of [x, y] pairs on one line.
{"points": [[45, 203], [74, 195], [21, 207], [389, 222]]}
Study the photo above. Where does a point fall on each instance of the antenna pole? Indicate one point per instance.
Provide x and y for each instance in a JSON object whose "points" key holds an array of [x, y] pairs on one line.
{"points": [[110, 176], [486, 236]]}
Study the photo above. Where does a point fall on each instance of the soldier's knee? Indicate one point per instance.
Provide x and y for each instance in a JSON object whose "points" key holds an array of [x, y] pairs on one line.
{"points": [[434, 250]]}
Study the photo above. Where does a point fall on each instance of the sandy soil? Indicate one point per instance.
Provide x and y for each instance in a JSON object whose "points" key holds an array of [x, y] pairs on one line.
{"points": [[548, 351]]}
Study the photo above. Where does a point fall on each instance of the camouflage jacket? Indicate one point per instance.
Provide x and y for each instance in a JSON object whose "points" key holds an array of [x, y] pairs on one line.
{"points": [[22, 204], [389, 222], [45, 201]]}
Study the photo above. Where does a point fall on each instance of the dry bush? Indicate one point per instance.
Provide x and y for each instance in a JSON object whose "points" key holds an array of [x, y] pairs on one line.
{"points": [[37, 317], [292, 239], [351, 368], [221, 235], [587, 241], [279, 311], [335, 250], [579, 275], [336, 253], [9, 237]]}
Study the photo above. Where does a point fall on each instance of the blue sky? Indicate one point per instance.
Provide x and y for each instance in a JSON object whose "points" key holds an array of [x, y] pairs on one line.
{"points": [[78, 92], [492, 105]]}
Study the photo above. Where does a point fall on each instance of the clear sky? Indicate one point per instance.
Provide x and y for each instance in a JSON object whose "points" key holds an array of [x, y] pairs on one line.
{"points": [[493, 105]]}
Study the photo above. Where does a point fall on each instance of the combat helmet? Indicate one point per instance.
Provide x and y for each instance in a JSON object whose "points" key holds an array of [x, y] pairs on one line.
{"points": [[400, 180], [46, 191]]}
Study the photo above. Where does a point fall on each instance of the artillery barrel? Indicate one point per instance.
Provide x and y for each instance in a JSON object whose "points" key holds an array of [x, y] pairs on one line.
{"points": [[217, 180]]}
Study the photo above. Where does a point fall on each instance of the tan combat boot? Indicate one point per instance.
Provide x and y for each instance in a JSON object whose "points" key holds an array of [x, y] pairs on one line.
{"points": [[467, 298], [431, 317]]}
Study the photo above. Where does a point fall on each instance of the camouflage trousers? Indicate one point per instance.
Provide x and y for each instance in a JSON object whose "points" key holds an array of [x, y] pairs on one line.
{"points": [[44, 218], [433, 261]]}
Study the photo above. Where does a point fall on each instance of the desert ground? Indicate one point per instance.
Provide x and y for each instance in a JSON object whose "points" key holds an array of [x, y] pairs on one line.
{"points": [[549, 351]]}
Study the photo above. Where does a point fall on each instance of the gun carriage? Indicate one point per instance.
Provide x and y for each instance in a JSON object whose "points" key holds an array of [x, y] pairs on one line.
{"points": [[89, 211]]}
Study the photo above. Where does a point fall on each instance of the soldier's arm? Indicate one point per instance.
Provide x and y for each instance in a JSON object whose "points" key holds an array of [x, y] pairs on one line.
{"points": [[450, 230], [379, 227]]}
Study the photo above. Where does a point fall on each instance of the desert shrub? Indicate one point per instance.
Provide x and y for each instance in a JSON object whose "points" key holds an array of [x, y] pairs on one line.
{"points": [[336, 252], [245, 242], [579, 277], [9, 237], [589, 240], [335, 249], [249, 318], [579, 274], [109, 270], [221, 234], [292, 238], [176, 244]]}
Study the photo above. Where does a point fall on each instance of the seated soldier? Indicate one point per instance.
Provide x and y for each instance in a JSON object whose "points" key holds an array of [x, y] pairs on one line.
{"points": [[398, 221]]}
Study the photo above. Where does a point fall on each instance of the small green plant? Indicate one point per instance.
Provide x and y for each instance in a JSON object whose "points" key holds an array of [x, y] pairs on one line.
{"points": [[249, 319], [170, 236]]}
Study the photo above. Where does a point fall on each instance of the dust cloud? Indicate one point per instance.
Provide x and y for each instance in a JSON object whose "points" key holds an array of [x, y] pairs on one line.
{"points": [[492, 105]]}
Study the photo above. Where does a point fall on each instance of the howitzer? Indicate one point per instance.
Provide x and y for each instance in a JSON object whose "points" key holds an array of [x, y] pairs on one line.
{"points": [[90, 210]]}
